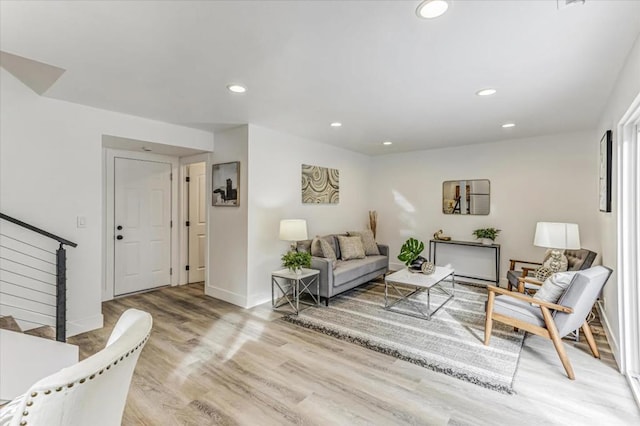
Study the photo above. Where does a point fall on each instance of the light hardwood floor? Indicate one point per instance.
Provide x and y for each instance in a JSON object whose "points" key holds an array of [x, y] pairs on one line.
{"points": [[211, 363]]}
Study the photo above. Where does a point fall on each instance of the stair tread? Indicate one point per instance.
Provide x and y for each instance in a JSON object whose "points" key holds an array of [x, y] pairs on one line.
{"points": [[45, 331], [9, 323]]}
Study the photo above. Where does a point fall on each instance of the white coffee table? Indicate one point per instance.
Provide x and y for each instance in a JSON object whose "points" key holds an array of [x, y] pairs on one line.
{"points": [[420, 283]]}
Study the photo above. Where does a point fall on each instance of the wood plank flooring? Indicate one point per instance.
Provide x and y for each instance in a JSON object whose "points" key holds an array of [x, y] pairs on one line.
{"points": [[211, 363]]}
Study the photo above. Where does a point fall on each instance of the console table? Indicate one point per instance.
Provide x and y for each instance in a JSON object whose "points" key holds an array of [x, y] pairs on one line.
{"points": [[433, 253]]}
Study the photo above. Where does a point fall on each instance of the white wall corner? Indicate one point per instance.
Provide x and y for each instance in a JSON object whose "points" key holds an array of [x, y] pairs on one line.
{"points": [[83, 325], [258, 299], [226, 296]]}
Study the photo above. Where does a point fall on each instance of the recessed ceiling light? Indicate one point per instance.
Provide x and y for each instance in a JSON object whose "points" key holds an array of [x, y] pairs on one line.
{"points": [[566, 3], [387, 143], [432, 8], [507, 125], [486, 92], [236, 88], [336, 124]]}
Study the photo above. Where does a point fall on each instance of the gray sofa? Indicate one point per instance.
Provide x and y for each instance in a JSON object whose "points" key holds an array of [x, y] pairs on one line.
{"points": [[348, 273]]}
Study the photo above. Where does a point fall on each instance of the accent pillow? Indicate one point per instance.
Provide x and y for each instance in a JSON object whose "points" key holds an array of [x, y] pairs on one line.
{"points": [[554, 286], [303, 246], [328, 253], [369, 243], [351, 247], [327, 250], [316, 250]]}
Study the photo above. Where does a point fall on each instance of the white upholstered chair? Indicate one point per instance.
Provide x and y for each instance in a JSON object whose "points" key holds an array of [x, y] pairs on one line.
{"points": [[91, 392]]}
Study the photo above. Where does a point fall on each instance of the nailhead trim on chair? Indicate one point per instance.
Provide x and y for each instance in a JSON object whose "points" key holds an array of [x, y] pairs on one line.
{"points": [[70, 385]]}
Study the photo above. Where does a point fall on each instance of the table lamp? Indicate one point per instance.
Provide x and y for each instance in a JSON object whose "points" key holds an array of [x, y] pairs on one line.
{"points": [[557, 237], [293, 230]]}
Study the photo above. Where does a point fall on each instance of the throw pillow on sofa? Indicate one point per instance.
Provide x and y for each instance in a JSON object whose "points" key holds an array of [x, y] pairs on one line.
{"points": [[327, 251], [324, 249], [351, 247], [369, 243], [316, 250], [303, 246]]}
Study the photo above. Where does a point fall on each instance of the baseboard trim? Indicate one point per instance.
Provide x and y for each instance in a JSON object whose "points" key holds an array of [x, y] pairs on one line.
{"points": [[393, 266], [613, 342], [258, 299], [84, 324], [634, 384], [226, 295]]}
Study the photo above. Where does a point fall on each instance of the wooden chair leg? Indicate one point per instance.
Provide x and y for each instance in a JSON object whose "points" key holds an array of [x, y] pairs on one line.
{"points": [[557, 342], [586, 328], [488, 325]]}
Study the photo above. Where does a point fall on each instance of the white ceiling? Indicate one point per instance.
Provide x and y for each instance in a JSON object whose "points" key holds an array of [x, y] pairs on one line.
{"points": [[372, 65]]}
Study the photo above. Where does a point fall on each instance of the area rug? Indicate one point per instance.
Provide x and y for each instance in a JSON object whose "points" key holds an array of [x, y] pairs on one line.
{"points": [[450, 343]]}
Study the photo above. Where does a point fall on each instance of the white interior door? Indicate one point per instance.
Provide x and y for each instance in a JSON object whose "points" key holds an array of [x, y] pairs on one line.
{"points": [[197, 221], [142, 221]]}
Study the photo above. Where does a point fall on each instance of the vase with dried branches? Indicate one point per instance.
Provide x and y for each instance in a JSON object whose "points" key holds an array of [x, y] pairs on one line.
{"points": [[373, 221]]}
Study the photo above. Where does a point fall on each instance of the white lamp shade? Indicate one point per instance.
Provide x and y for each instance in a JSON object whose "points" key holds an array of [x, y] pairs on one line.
{"points": [[557, 235], [293, 229]]}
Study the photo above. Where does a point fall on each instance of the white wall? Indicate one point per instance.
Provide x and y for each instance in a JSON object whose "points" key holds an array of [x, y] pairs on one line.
{"points": [[51, 172], [275, 161], [227, 269], [625, 90], [550, 178]]}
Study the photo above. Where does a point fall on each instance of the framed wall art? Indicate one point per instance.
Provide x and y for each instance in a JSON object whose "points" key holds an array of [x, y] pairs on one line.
{"points": [[226, 184], [320, 185], [606, 151]]}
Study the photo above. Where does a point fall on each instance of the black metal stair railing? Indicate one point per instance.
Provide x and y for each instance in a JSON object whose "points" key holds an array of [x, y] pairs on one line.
{"points": [[30, 267]]}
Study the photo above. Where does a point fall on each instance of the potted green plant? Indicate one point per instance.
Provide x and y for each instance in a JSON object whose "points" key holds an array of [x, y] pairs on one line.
{"points": [[410, 254], [486, 235], [296, 260]]}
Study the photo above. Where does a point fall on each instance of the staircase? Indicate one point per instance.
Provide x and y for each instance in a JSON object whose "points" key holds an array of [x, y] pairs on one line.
{"points": [[33, 279], [8, 323]]}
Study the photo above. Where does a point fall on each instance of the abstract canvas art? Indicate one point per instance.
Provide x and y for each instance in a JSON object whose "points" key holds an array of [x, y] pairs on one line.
{"points": [[320, 185]]}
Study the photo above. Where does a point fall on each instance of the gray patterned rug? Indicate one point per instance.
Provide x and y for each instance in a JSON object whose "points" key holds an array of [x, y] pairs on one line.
{"points": [[450, 343]]}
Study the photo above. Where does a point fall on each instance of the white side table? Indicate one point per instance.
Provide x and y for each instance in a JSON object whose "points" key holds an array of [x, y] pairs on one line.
{"points": [[289, 286]]}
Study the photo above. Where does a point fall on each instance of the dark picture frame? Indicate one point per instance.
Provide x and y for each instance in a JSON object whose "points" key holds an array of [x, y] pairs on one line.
{"points": [[606, 151], [225, 187]]}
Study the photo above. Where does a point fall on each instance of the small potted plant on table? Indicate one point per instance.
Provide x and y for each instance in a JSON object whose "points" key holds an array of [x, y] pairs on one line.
{"points": [[296, 260], [486, 235]]}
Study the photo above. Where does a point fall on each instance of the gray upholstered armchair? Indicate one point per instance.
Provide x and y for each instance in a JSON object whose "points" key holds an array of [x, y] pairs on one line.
{"points": [[550, 320], [578, 260]]}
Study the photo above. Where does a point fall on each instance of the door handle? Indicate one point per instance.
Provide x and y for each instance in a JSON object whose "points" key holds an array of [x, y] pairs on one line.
{"points": [[119, 228], [119, 237]]}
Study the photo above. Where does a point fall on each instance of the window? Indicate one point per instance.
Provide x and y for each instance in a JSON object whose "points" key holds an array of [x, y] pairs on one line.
{"points": [[628, 233]]}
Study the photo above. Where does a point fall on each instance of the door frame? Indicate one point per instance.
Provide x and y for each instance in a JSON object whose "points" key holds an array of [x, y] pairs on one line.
{"points": [[184, 200], [108, 213], [628, 234]]}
